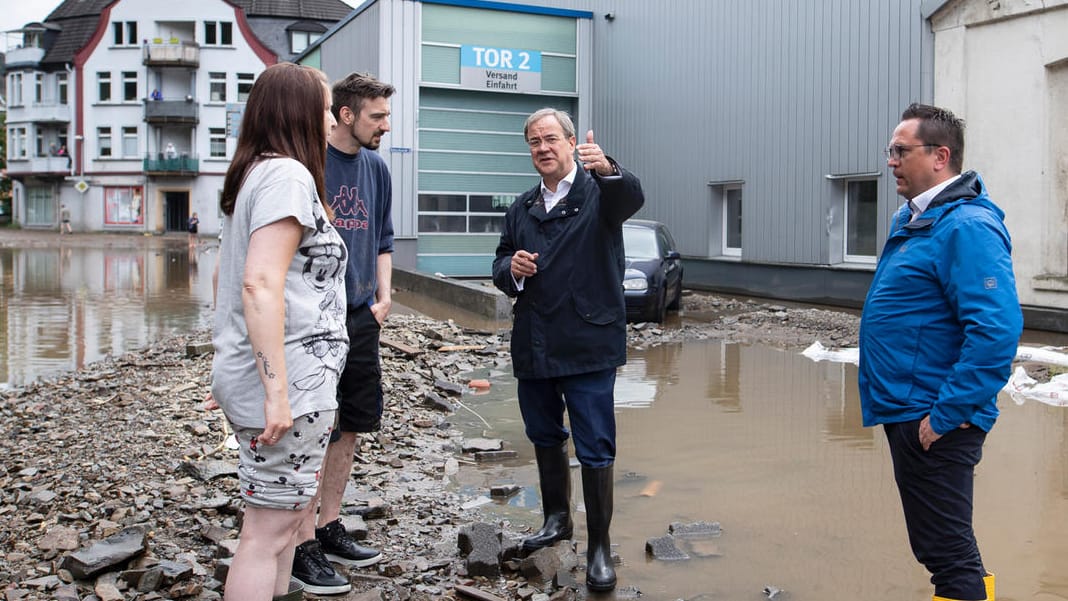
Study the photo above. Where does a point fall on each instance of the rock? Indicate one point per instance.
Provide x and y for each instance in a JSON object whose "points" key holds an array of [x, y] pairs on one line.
{"points": [[107, 553], [106, 588], [483, 456], [695, 529], [664, 549], [432, 400], [60, 538], [541, 565], [195, 349], [472, 445], [209, 470], [449, 387], [67, 592], [504, 490], [481, 544], [44, 582], [470, 592]]}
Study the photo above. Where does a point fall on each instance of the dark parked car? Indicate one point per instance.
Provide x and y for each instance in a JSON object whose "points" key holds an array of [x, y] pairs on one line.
{"points": [[652, 282]]}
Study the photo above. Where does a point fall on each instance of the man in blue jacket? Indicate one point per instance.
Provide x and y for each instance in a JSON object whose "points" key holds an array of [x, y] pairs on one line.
{"points": [[938, 335], [561, 257]]}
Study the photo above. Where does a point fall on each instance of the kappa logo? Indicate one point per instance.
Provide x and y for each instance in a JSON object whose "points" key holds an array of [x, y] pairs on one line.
{"points": [[350, 211]]}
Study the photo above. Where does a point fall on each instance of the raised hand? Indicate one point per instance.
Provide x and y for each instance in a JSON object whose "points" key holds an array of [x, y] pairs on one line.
{"points": [[592, 157]]}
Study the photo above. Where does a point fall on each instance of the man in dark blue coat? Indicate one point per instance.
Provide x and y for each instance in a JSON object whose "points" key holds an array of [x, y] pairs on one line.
{"points": [[561, 257]]}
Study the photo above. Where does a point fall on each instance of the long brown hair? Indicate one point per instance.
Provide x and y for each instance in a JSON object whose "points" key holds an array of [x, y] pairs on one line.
{"points": [[283, 116]]}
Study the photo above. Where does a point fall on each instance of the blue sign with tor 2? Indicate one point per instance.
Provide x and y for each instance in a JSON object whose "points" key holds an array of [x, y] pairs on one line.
{"points": [[504, 59]]}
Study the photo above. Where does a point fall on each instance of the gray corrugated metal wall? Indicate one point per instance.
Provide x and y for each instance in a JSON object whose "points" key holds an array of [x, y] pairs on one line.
{"points": [[354, 47], [778, 93]]}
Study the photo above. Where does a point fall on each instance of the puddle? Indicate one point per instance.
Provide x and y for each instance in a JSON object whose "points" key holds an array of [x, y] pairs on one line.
{"points": [[770, 445]]}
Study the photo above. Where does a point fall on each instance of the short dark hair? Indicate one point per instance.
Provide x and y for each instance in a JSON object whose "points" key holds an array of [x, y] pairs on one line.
{"points": [[939, 126], [355, 90]]}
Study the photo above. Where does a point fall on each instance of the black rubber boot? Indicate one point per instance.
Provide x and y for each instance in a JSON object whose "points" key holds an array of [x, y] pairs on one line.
{"points": [[554, 477], [597, 485]]}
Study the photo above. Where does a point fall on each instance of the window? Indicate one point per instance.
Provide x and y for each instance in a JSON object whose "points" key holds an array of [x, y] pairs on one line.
{"points": [[861, 219], [129, 141], [217, 87], [17, 141], [40, 206], [218, 33], [125, 33], [103, 141], [40, 144], [61, 88], [14, 90], [299, 40], [462, 213], [38, 88], [217, 142], [732, 221], [103, 84], [129, 85], [244, 86], [122, 206]]}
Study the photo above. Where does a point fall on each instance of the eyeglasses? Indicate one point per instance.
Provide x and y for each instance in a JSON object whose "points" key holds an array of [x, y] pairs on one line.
{"points": [[550, 140], [897, 151]]}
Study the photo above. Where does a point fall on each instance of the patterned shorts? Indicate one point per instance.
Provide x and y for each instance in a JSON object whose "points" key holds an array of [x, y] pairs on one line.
{"points": [[284, 475]]}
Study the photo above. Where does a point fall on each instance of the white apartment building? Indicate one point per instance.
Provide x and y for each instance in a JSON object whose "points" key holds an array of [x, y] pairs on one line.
{"points": [[126, 111]]}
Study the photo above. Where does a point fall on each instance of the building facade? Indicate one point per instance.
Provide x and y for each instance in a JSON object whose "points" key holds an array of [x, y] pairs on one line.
{"points": [[1003, 67], [757, 127], [467, 75], [125, 112]]}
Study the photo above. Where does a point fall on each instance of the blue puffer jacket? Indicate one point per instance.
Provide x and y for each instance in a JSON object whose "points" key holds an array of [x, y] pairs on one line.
{"points": [[941, 321]]}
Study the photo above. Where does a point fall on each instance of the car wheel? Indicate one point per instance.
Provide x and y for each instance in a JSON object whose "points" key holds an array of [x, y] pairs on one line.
{"points": [[676, 301], [660, 309]]}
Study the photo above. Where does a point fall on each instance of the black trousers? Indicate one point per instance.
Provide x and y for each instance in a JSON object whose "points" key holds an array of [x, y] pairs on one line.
{"points": [[936, 496]]}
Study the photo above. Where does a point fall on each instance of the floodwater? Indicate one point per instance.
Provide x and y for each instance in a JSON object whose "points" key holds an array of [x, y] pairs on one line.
{"points": [[770, 445], [764, 441], [67, 301]]}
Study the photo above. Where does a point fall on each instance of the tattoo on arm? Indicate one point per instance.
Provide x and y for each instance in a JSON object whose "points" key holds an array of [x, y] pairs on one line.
{"points": [[266, 365]]}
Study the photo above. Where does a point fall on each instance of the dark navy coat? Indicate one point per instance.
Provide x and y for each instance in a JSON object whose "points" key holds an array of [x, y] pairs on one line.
{"points": [[569, 318]]}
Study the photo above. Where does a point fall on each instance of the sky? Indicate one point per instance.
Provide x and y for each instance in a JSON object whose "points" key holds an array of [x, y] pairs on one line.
{"points": [[16, 13]]}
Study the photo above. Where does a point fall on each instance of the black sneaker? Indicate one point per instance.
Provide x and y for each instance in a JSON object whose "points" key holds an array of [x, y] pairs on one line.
{"points": [[342, 548], [311, 569]]}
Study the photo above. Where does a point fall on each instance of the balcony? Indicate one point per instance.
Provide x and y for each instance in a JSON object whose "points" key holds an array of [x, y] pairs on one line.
{"points": [[164, 112], [39, 166], [183, 165], [175, 54], [21, 58], [39, 113]]}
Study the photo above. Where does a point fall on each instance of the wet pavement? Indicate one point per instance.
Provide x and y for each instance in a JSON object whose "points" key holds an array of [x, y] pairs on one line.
{"points": [[762, 440]]}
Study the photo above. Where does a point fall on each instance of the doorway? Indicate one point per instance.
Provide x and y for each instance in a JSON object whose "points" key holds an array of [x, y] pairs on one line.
{"points": [[175, 210]]}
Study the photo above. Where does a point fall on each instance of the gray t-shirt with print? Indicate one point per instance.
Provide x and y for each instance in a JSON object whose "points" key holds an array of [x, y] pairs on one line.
{"points": [[316, 340]]}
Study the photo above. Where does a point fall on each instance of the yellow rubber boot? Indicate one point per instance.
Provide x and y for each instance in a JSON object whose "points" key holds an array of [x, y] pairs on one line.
{"points": [[988, 581]]}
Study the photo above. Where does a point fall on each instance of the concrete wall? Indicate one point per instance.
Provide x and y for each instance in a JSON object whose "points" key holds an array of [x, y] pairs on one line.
{"points": [[484, 301], [1003, 67]]}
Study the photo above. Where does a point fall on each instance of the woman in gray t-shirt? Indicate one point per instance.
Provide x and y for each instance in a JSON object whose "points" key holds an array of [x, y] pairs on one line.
{"points": [[279, 335]]}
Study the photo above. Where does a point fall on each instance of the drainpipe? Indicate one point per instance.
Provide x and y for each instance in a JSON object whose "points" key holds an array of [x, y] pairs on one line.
{"points": [[70, 111]]}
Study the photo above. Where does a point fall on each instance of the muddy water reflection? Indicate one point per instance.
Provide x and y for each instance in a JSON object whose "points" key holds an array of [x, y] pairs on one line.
{"points": [[66, 302], [771, 445]]}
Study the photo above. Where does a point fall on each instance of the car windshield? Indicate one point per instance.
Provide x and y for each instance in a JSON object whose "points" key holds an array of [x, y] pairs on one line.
{"points": [[640, 243]]}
